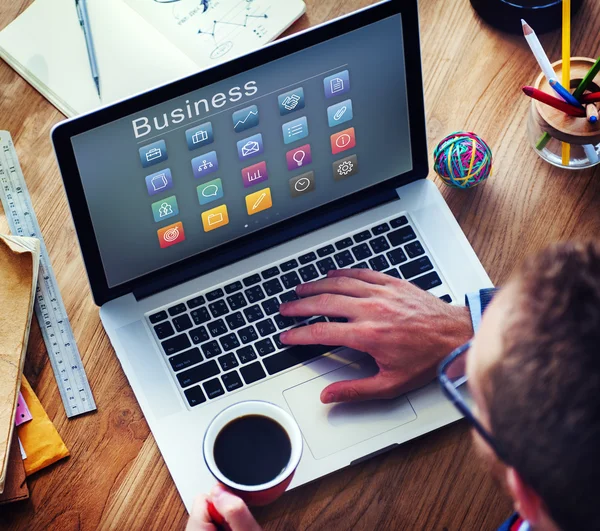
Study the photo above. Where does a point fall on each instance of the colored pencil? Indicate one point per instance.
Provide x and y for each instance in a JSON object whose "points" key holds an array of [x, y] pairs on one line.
{"points": [[589, 77], [564, 93], [566, 67], [548, 99], [590, 152], [591, 113], [538, 51], [592, 97]]}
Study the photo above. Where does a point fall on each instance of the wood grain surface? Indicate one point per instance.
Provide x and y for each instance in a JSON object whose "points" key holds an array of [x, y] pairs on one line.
{"points": [[116, 478]]}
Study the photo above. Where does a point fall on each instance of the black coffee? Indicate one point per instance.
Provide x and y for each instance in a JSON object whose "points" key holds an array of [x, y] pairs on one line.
{"points": [[252, 450]]}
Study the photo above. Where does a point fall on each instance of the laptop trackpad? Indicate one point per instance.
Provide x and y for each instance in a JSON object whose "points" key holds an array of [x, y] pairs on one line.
{"points": [[328, 429]]}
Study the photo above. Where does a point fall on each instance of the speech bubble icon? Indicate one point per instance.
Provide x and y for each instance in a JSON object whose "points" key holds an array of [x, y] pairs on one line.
{"points": [[210, 191]]}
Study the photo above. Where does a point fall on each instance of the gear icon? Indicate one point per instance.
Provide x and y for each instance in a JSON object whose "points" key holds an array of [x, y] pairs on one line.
{"points": [[345, 168]]}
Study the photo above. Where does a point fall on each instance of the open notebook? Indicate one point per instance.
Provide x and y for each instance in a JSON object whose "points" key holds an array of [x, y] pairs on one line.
{"points": [[139, 44]]}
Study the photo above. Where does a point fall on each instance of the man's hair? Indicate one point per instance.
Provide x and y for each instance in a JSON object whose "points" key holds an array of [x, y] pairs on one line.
{"points": [[544, 393]]}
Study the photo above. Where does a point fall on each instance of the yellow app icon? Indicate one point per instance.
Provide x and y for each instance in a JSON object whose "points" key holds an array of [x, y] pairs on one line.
{"points": [[259, 201], [215, 218]]}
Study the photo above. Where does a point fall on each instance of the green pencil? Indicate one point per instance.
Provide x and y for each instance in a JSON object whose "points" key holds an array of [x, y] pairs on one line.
{"points": [[589, 77]]}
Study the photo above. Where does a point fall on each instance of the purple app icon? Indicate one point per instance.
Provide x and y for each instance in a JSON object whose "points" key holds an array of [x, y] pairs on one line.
{"points": [[255, 174], [298, 157], [159, 182]]}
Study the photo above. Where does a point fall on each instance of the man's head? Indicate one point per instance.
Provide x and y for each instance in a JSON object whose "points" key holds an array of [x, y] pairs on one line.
{"points": [[534, 372]]}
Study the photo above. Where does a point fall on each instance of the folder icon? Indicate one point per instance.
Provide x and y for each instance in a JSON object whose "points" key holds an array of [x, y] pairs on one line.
{"points": [[215, 218]]}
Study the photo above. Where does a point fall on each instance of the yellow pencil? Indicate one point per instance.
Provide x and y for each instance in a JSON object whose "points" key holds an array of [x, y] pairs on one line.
{"points": [[566, 65]]}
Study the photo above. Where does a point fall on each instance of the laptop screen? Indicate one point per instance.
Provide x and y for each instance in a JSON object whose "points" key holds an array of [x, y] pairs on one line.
{"points": [[229, 159]]}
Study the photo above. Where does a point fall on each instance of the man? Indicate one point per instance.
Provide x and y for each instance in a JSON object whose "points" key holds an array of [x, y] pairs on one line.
{"points": [[533, 372]]}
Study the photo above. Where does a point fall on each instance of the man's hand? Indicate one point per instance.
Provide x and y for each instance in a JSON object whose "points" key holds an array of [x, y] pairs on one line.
{"points": [[230, 507], [407, 331]]}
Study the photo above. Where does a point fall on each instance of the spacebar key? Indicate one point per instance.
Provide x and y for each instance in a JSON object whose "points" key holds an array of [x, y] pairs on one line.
{"points": [[294, 356]]}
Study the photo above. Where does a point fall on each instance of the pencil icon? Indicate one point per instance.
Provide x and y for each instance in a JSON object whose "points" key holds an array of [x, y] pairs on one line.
{"points": [[259, 201]]}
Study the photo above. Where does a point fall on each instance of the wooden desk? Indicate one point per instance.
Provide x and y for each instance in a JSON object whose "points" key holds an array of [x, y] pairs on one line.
{"points": [[116, 477]]}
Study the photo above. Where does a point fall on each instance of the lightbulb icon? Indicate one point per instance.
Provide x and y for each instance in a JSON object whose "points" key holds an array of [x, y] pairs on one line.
{"points": [[299, 157]]}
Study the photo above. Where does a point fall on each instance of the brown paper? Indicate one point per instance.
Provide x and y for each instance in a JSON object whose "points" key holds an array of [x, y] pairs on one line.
{"points": [[15, 488]]}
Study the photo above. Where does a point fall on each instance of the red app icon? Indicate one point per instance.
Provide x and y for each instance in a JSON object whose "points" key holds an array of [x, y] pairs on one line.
{"points": [[171, 235], [343, 140]]}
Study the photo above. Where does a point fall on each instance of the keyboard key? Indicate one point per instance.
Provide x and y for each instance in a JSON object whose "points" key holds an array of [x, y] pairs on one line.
{"points": [[195, 396], [232, 381], [211, 349], [393, 273], [176, 310], [414, 249], [306, 258], [229, 342], [266, 327], [289, 297], [213, 388], [344, 259], [379, 263], [289, 265], [277, 340], [254, 313], [217, 328], [251, 280], [255, 294], [380, 229], [236, 301], [271, 306], [284, 322], [361, 265], [416, 267], [397, 256], [198, 374], [291, 280], [195, 302], [308, 273], [182, 323], [293, 356], [199, 335], [200, 316], [272, 287], [326, 251], [265, 347], [399, 222], [362, 236], [228, 362], [344, 244], [270, 273], [232, 288], [158, 317], [317, 320], [248, 334], [400, 236], [186, 359], [446, 298], [214, 295], [379, 245], [176, 344], [428, 281], [253, 372], [246, 354], [235, 320], [218, 308], [361, 251], [163, 330], [326, 265]]}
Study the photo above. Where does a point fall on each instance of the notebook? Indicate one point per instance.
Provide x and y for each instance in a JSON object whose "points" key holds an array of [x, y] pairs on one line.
{"points": [[139, 44]]}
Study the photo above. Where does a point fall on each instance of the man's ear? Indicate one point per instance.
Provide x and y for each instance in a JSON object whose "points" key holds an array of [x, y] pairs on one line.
{"points": [[527, 502]]}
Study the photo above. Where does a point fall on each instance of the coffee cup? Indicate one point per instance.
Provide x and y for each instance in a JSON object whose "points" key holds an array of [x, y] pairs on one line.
{"points": [[253, 448]]}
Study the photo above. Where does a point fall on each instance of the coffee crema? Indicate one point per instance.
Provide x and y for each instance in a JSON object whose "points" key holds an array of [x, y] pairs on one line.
{"points": [[252, 450]]}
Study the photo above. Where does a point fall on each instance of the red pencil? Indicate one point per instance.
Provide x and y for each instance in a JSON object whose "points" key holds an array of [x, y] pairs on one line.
{"points": [[554, 102], [590, 98]]}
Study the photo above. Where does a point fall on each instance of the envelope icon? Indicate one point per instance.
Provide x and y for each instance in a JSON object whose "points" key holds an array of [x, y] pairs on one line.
{"points": [[249, 148]]}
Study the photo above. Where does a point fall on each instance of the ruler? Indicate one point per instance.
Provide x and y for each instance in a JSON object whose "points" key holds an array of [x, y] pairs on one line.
{"points": [[50, 310]]}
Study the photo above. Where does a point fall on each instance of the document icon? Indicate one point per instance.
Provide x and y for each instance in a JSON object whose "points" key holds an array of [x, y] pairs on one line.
{"points": [[159, 182], [250, 147], [215, 218], [337, 84]]}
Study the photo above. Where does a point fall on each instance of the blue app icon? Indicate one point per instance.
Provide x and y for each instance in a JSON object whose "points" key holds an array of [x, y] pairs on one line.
{"points": [[291, 101], [295, 130], [210, 191], [245, 118], [160, 182], [339, 113], [250, 147], [337, 84], [199, 136], [205, 164], [153, 153]]}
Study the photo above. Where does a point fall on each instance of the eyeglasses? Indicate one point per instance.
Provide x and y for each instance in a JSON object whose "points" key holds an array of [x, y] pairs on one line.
{"points": [[452, 376]]}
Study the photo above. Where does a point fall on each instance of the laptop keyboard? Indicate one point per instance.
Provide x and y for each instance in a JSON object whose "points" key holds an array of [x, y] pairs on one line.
{"points": [[228, 337]]}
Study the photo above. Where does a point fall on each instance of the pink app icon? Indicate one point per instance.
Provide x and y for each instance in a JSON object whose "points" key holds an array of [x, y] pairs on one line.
{"points": [[255, 174], [298, 157]]}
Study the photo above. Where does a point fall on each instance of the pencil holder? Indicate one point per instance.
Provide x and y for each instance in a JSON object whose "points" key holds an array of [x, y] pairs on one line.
{"points": [[548, 128]]}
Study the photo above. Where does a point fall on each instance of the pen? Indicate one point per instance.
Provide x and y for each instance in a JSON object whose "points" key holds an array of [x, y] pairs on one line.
{"points": [[554, 102], [84, 21], [564, 93]]}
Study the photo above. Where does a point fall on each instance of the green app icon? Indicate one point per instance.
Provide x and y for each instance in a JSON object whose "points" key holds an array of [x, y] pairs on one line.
{"points": [[165, 208], [210, 191]]}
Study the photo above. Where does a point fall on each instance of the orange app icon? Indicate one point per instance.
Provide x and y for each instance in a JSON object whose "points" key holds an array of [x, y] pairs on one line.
{"points": [[215, 218], [171, 235], [259, 201], [343, 140]]}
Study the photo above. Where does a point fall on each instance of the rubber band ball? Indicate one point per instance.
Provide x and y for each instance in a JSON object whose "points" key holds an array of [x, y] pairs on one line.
{"points": [[463, 160]]}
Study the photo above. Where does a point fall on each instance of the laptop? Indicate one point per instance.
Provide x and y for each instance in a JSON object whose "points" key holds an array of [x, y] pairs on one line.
{"points": [[200, 206]]}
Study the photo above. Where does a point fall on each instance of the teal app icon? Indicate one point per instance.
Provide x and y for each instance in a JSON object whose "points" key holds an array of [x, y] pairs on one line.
{"points": [[165, 208], [210, 191]]}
